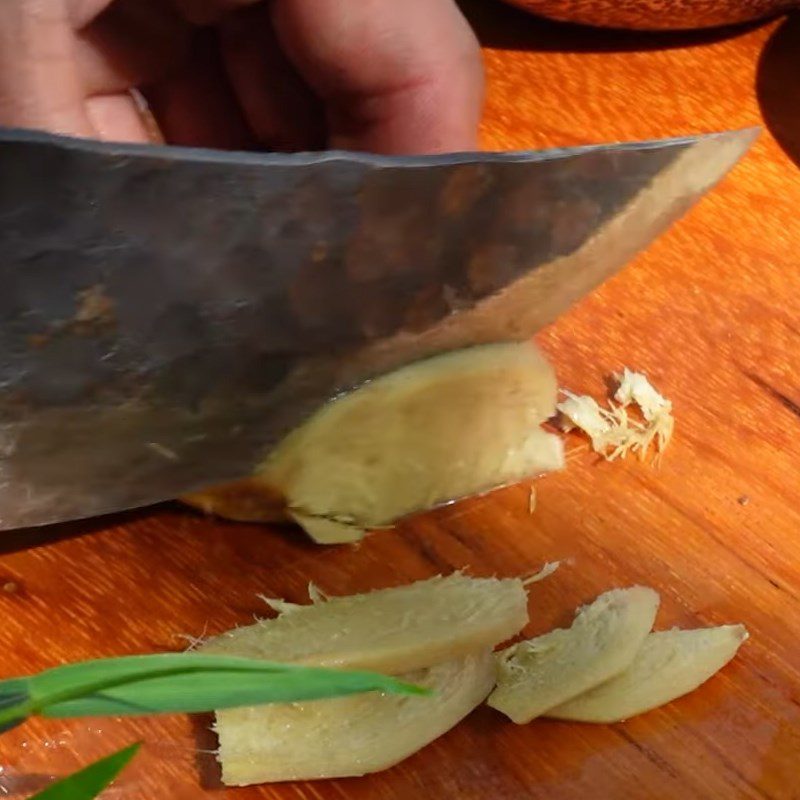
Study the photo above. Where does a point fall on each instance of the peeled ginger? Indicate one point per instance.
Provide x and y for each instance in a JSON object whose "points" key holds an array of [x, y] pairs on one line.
{"points": [[450, 426], [538, 674], [438, 633], [352, 735], [669, 665], [390, 630]]}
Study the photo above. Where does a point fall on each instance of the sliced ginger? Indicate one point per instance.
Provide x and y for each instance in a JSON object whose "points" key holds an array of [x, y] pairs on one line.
{"points": [[389, 630], [669, 665], [448, 427], [439, 633], [352, 735], [538, 674]]}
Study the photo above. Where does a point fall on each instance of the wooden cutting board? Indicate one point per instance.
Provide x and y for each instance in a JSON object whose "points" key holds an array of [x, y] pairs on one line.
{"points": [[711, 312]]}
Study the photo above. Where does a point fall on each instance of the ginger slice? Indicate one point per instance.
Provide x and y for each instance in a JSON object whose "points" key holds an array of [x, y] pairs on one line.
{"points": [[451, 426], [538, 674], [352, 735], [669, 665], [389, 630], [245, 500], [324, 530]]}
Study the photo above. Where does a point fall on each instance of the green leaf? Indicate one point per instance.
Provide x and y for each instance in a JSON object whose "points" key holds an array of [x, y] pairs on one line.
{"points": [[200, 691], [13, 691], [98, 674], [179, 682], [14, 696], [87, 783], [10, 723]]}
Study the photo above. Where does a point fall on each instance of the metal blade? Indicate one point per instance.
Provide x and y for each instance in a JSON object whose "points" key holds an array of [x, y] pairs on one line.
{"points": [[168, 314]]}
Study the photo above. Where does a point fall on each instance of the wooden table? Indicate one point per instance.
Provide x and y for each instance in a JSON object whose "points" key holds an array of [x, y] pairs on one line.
{"points": [[711, 311]]}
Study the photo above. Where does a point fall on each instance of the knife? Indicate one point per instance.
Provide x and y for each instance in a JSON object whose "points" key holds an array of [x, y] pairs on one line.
{"points": [[167, 314]]}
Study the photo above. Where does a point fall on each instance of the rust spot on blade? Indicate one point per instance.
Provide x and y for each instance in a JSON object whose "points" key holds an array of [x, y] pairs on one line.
{"points": [[36, 341], [95, 315], [95, 310]]}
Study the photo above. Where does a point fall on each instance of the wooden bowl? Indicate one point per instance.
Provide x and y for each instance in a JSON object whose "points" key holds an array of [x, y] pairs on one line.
{"points": [[656, 14]]}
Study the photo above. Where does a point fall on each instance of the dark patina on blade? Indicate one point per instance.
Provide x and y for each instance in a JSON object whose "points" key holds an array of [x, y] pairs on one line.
{"points": [[168, 314]]}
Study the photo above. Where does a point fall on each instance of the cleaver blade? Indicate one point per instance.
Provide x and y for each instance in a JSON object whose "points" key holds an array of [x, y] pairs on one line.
{"points": [[168, 314]]}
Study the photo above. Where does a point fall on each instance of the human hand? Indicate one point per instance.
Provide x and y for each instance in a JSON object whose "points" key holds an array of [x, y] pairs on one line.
{"points": [[391, 76]]}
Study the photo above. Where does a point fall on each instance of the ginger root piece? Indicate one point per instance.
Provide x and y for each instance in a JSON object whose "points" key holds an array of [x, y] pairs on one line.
{"points": [[582, 411], [389, 630], [612, 431], [326, 530], [352, 735], [669, 665], [538, 674], [635, 388], [450, 426]]}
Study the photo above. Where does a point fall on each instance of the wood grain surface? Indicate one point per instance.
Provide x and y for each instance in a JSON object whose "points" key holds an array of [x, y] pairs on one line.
{"points": [[711, 311]]}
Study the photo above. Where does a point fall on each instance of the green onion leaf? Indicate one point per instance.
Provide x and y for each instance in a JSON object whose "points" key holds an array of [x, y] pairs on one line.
{"points": [[13, 695], [178, 682], [87, 783], [196, 692], [13, 692]]}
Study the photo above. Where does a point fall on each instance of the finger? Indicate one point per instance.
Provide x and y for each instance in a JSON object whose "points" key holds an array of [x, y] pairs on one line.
{"points": [[280, 109], [82, 12], [133, 42], [40, 86], [117, 117], [204, 12], [195, 106], [397, 77]]}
